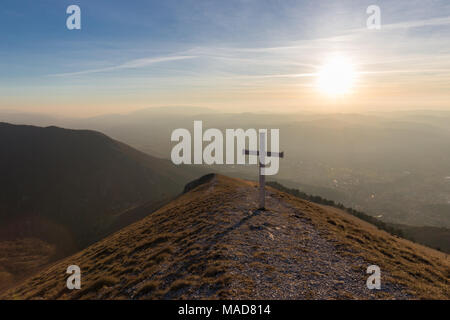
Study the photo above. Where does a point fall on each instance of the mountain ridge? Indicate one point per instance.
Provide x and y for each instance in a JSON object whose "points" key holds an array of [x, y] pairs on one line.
{"points": [[212, 242]]}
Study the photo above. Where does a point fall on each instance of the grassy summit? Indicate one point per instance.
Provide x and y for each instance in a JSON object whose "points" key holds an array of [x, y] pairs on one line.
{"points": [[211, 243]]}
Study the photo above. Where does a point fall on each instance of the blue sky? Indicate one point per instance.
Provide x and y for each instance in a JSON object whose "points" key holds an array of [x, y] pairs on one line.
{"points": [[235, 55]]}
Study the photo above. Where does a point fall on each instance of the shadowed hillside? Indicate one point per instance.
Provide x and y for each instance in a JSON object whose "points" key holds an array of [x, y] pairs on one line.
{"points": [[211, 242], [61, 190]]}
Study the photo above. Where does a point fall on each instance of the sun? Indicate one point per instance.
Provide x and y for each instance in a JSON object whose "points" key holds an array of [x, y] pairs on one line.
{"points": [[336, 76]]}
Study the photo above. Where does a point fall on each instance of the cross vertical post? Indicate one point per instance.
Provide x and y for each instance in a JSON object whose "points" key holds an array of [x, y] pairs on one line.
{"points": [[261, 162], [262, 153]]}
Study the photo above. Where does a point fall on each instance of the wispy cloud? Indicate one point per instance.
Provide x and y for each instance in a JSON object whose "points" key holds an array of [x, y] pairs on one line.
{"points": [[287, 75], [132, 64], [296, 53], [418, 23]]}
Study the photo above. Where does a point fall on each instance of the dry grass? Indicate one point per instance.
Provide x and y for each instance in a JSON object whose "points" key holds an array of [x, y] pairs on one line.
{"points": [[152, 257], [20, 258]]}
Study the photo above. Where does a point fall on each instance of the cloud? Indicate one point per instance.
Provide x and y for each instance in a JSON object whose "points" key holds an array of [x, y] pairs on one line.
{"points": [[132, 64], [441, 21], [302, 56], [417, 23]]}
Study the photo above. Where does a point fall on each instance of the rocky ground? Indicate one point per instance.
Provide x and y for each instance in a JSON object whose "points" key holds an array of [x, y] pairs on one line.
{"points": [[287, 258]]}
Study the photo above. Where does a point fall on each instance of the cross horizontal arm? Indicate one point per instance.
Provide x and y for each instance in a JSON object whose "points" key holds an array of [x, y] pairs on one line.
{"points": [[268, 153]]}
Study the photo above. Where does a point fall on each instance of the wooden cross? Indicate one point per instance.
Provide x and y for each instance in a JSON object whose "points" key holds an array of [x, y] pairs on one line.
{"points": [[262, 153]]}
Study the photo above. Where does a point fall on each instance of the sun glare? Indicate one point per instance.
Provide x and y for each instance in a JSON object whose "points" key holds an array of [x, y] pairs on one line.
{"points": [[336, 77]]}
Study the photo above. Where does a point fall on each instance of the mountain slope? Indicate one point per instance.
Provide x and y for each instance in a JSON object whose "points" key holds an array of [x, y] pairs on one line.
{"points": [[61, 189], [211, 242]]}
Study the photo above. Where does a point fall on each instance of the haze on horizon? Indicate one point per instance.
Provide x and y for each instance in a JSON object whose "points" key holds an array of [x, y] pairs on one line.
{"points": [[232, 56]]}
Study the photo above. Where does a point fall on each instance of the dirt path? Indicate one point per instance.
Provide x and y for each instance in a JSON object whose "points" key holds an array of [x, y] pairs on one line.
{"points": [[284, 257]]}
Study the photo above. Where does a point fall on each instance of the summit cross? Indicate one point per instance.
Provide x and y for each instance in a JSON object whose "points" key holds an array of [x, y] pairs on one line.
{"points": [[262, 153]]}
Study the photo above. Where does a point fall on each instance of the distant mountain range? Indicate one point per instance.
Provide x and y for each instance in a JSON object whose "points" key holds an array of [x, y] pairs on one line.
{"points": [[61, 190], [392, 165]]}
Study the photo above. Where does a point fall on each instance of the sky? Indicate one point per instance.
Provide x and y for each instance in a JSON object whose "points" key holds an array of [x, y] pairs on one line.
{"points": [[247, 55]]}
